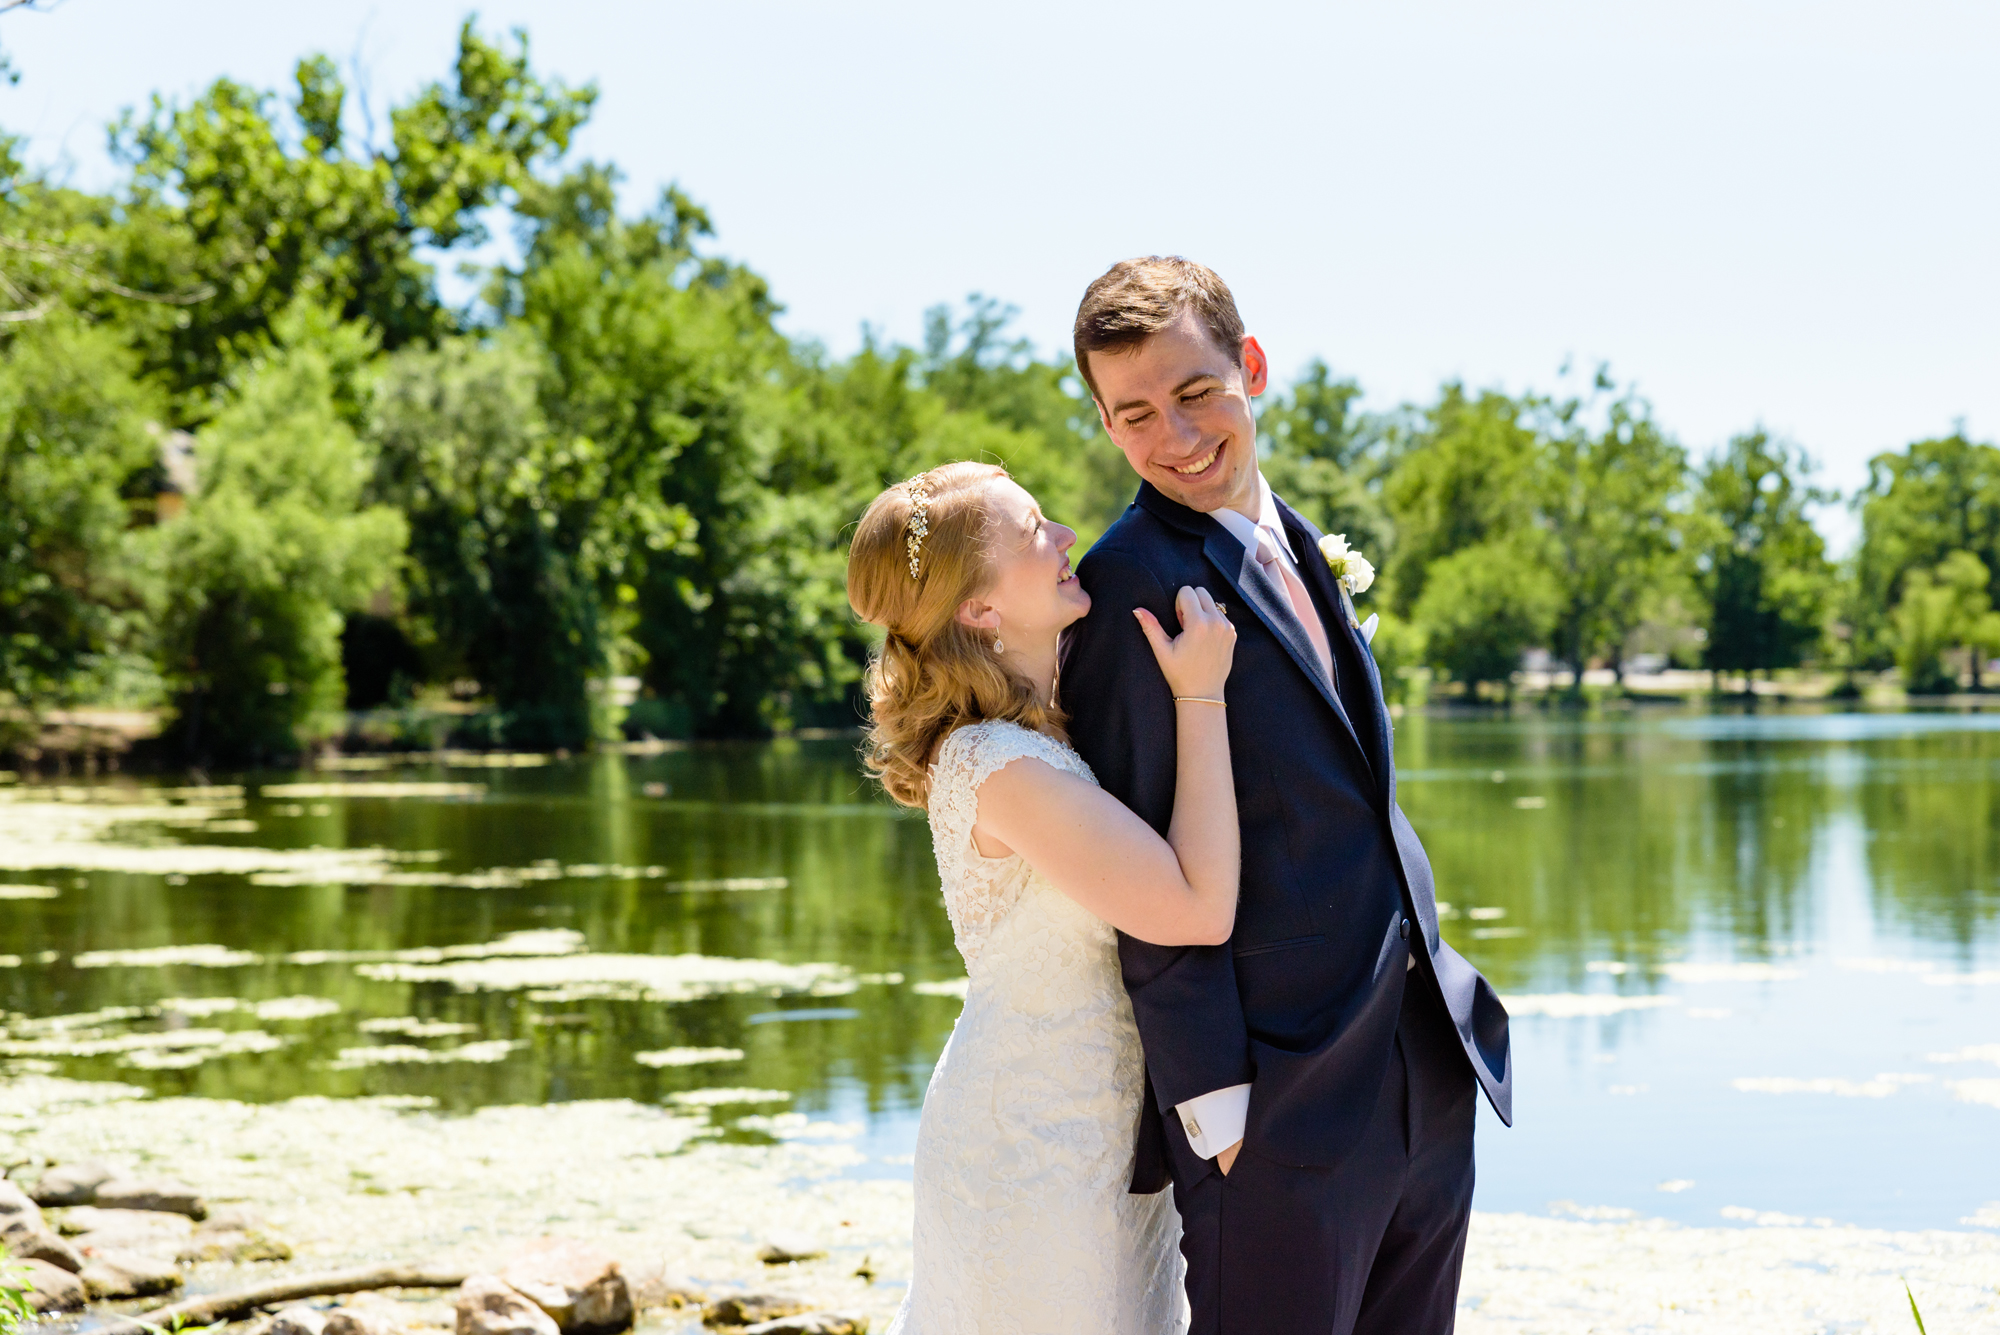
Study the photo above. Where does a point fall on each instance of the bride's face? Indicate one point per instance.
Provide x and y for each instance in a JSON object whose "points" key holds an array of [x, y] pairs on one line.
{"points": [[1034, 592]]}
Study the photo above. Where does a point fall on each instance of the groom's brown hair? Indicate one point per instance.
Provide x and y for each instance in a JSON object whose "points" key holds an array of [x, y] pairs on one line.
{"points": [[1135, 299]]}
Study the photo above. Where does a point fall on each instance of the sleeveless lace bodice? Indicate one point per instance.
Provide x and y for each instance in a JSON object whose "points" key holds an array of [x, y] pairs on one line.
{"points": [[979, 890], [1024, 1224]]}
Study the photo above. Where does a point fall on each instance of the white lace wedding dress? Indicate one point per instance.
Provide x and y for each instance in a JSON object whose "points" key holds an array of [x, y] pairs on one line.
{"points": [[1024, 1225]]}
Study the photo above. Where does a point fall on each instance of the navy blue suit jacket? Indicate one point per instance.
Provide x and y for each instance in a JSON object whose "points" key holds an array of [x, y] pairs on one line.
{"points": [[1302, 1002]]}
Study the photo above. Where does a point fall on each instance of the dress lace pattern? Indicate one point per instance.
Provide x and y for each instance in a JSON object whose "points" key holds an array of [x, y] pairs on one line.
{"points": [[1023, 1222]]}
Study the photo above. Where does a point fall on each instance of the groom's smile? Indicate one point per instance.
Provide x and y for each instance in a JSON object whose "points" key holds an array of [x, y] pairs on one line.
{"points": [[1201, 465], [1178, 405]]}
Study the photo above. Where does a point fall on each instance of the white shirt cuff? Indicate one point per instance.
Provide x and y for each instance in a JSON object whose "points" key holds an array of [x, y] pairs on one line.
{"points": [[1214, 1121]]}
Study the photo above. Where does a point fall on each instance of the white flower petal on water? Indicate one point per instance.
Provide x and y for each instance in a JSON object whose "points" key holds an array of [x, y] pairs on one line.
{"points": [[296, 1008], [403, 1054], [1746, 972], [198, 1007], [798, 1126], [1581, 1005], [1596, 1212], [1881, 1087], [688, 1056], [165, 957], [1982, 1052], [712, 1098], [1976, 1091], [412, 1027], [1762, 1218], [365, 789], [1876, 965], [631, 977], [731, 883]]}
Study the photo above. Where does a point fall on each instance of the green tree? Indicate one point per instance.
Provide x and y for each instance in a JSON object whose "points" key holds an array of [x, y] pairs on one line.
{"points": [[1057, 450], [1759, 563], [1924, 627], [73, 444], [1326, 459], [1463, 476], [1608, 501], [274, 547], [505, 521], [1944, 609], [1484, 605], [222, 194], [1937, 497], [653, 358]]}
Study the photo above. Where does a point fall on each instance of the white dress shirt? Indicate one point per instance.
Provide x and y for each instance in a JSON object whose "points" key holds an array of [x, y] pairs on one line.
{"points": [[1244, 529], [1214, 1121]]}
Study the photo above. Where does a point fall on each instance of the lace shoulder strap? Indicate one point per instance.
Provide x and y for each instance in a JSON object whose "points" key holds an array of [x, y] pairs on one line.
{"points": [[966, 760]]}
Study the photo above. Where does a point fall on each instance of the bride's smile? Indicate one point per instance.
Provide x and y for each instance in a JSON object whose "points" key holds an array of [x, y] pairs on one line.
{"points": [[1034, 591]]}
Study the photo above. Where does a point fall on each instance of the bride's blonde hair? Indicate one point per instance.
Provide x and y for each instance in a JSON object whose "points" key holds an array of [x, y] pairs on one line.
{"points": [[933, 674]]}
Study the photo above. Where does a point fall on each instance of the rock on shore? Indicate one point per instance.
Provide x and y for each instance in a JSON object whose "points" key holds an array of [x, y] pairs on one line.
{"points": [[488, 1305], [53, 1289], [579, 1287], [652, 1188]]}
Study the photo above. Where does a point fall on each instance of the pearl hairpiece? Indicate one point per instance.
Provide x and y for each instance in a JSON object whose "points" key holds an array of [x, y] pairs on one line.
{"points": [[919, 525]]}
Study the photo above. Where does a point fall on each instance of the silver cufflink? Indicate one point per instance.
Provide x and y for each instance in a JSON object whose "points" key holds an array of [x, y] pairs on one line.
{"points": [[1193, 1128]]}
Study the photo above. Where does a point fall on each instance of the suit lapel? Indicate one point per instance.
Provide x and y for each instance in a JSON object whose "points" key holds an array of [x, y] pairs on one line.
{"points": [[1239, 569], [1320, 579], [1271, 604]]}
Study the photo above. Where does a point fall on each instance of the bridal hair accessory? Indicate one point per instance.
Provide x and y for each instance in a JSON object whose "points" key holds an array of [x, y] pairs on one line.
{"points": [[919, 525], [1350, 567]]}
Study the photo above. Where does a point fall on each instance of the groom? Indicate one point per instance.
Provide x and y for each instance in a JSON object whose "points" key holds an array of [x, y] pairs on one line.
{"points": [[1311, 1082]]}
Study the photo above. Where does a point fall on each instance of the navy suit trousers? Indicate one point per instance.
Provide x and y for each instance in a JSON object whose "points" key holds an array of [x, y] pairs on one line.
{"points": [[1373, 1246]]}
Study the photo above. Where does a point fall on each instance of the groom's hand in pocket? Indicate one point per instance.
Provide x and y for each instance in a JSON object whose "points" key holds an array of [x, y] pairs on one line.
{"points": [[1227, 1159]]}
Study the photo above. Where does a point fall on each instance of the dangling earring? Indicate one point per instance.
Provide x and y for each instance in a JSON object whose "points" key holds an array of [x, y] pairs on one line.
{"points": [[998, 647]]}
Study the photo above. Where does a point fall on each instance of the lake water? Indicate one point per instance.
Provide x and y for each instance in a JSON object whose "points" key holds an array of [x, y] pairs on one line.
{"points": [[1755, 960]]}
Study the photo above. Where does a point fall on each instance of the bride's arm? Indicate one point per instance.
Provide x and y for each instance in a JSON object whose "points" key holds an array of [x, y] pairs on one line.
{"points": [[1180, 891]]}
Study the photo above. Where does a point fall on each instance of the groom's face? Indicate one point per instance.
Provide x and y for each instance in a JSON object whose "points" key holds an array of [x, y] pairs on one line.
{"points": [[1179, 407]]}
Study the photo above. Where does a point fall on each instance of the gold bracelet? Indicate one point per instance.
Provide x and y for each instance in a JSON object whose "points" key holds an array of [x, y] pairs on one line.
{"points": [[1199, 700]]}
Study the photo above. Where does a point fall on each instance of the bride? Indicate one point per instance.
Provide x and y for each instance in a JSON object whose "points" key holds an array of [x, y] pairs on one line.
{"points": [[1024, 1153]]}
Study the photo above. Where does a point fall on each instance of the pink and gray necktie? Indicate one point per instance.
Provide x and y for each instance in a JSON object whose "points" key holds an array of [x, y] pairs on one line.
{"points": [[1281, 574]]}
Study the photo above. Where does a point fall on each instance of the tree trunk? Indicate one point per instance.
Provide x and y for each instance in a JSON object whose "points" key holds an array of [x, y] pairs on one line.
{"points": [[214, 1307]]}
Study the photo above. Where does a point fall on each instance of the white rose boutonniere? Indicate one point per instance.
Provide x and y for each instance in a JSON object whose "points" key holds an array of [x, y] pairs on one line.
{"points": [[1353, 572], [1350, 567]]}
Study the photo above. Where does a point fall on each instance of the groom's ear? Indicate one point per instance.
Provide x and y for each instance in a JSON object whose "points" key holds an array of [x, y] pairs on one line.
{"points": [[1256, 367], [1103, 416]]}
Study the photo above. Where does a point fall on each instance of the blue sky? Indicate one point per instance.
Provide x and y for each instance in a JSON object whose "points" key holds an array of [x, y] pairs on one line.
{"points": [[1765, 213]]}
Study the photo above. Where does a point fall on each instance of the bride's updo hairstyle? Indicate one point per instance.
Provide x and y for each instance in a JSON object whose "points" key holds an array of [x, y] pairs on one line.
{"points": [[933, 673]]}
